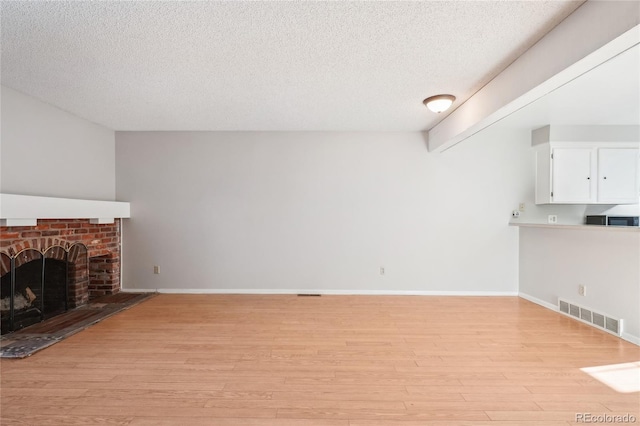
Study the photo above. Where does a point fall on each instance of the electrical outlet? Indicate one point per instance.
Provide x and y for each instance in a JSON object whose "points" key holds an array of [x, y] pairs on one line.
{"points": [[382, 270], [582, 290], [552, 218], [156, 270], [522, 207]]}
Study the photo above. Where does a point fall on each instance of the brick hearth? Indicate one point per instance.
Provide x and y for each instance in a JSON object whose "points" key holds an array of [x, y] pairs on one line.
{"points": [[103, 252]]}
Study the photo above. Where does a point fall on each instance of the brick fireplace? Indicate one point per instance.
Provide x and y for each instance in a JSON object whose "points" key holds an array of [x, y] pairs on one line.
{"points": [[92, 253]]}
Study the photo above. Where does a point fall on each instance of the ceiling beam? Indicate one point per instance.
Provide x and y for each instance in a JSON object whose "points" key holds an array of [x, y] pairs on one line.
{"points": [[593, 34]]}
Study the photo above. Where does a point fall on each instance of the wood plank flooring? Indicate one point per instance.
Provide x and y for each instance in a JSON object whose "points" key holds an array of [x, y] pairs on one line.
{"points": [[331, 360]]}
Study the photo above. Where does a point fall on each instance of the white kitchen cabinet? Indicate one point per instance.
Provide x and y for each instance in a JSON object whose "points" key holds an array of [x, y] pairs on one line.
{"points": [[587, 173], [618, 175], [571, 175]]}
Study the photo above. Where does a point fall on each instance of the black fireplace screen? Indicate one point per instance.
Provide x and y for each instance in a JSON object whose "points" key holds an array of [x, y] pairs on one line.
{"points": [[34, 285]]}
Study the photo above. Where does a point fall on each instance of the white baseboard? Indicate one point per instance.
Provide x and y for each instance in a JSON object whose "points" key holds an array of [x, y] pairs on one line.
{"points": [[625, 336], [539, 302], [321, 291], [631, 338]]}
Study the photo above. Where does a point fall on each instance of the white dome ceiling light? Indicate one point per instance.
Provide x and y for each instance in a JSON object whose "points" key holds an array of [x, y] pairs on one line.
{"points": [[439, 103]]}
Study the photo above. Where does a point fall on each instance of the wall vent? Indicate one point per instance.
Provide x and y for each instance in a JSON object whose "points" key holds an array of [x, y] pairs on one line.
{"points": [[612, 325], [598, 319], [601, 321], [574, 311], [564, 307]]}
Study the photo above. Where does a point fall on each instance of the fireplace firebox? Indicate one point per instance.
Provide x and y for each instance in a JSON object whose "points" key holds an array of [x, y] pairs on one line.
{"points": [[56, 265], [35, 283]]}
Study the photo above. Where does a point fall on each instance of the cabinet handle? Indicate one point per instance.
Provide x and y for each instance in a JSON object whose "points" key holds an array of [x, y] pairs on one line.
{"points": [[588, 178], [605, 177]]}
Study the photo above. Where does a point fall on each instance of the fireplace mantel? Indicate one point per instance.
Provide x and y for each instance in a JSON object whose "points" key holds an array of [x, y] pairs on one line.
{"points": [[25, 210]]}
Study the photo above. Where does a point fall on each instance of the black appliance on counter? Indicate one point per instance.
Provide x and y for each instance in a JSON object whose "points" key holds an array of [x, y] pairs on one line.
{"points": [[613, 220]]}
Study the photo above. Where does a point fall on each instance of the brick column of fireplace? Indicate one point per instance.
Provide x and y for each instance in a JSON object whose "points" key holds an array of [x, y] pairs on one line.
{"points": [[103, 251]]}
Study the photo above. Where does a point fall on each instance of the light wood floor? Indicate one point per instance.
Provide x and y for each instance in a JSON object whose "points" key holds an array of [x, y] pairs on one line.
{"points": [[330, 360]]}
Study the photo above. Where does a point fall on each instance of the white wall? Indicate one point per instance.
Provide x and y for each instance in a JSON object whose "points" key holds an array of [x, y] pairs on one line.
{"points": [[270, 211], [553, 262], [47, 151]]}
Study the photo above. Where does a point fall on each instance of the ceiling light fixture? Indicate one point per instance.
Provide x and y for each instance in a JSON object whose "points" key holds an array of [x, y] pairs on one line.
{"points": [[439, 103]]}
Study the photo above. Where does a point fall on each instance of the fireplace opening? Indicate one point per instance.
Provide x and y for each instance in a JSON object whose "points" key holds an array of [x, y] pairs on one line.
{"points": [[36, 285]]}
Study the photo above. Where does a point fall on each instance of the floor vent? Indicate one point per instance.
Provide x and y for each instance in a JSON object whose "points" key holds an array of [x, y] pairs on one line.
{"points": [[308, 295], [588, 316]]}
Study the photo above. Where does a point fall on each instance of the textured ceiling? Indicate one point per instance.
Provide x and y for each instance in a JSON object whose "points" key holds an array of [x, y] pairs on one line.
{"points": [[151, 65]]}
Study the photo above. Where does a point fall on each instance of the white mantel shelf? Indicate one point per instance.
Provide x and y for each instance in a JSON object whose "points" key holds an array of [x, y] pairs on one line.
{"points": [[25, 210], [577, 227]]}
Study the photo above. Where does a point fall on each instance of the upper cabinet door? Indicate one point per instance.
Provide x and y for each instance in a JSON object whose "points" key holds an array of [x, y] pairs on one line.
{"points": [[571, 177], [618, 175]]}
